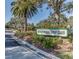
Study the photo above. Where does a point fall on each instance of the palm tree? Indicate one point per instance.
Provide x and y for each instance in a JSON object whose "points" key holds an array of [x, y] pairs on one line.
{"points": [[23, 9], [60, 6]]}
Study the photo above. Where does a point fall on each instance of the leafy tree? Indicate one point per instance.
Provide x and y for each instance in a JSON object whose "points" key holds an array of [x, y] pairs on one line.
{"points": [[7, 25], [31, 27], [11, 23]]}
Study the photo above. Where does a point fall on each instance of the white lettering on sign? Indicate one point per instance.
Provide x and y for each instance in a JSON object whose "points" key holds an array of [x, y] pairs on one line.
{"points": [[52, 32]]}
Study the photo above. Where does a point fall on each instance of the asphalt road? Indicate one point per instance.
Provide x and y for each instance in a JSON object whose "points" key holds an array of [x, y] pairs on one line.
{"points": [[13, 50]]}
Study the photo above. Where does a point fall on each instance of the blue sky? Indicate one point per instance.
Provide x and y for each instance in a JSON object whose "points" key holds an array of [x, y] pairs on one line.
{"points": [[7, 10], [41, 15]]}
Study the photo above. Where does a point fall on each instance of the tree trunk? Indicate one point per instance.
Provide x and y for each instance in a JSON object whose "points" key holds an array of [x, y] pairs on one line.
{"points": [[58, 19], [25, 24]]}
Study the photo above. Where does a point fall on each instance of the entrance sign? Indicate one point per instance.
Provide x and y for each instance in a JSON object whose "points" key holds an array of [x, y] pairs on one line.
{"points": [[52, 32]]}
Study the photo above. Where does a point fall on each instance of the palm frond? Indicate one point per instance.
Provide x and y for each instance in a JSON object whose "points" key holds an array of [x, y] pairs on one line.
{"points": [[67, 7]]}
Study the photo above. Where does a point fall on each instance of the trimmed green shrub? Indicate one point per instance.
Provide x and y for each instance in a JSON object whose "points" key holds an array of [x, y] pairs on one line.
{"points": [[47, 42], [23, 34], [19, 34], [37, 38], [70, 37], [28, 33]]}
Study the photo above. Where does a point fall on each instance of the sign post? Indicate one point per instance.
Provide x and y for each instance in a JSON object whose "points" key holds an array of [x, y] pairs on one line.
{"points": [[52, 32]]}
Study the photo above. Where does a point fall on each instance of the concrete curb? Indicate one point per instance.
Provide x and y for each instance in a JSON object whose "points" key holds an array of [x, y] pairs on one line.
{"points": [[41, 52]]}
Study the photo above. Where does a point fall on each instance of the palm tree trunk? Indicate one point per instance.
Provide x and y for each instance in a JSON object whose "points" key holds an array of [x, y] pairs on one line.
{"points": [[58, 19], [25, 24], [24, 27]]}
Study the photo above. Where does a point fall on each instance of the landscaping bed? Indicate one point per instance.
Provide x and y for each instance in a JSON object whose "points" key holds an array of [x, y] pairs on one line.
{"points": [[53, 45]]}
